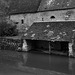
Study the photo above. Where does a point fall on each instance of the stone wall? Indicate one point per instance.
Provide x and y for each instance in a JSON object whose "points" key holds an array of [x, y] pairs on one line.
{"points": [[10, 44], [48, 16]]}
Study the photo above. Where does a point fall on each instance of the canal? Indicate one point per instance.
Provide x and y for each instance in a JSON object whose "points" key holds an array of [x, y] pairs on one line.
{"points": [[18, 63]]}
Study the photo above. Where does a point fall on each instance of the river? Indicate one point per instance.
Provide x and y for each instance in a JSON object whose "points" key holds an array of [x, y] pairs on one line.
{"points": [[12, 60]]}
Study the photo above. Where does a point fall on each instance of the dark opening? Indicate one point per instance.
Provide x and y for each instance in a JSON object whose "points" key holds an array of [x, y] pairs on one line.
{"points": [[45, 8], [22, 21], [60, 46], [38, 45], [52, 17], [16, 22], [42, 19], [41, 45]]}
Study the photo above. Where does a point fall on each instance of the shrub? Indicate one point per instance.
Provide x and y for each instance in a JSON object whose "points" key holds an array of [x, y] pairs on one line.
{"points": [[8, 29]]}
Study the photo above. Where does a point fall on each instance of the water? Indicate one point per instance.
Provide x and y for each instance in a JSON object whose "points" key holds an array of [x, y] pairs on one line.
{"points": [[51, 62], [11, 60]]}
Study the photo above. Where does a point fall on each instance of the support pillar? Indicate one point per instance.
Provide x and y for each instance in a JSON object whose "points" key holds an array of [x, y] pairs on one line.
{"points": [[25, 46], [70, 49]]}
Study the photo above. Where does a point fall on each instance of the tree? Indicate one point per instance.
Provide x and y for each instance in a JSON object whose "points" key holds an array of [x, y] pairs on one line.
{"points": [[8, 29]]}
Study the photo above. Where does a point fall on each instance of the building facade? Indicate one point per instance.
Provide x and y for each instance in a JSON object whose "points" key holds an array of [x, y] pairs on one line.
{"points": [[60, 14]]}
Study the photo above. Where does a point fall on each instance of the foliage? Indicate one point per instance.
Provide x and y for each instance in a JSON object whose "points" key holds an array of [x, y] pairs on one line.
{"points": [[8, 29]]}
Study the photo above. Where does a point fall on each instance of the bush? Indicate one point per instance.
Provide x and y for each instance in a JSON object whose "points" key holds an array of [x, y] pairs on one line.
{"points": [[8, 29]]}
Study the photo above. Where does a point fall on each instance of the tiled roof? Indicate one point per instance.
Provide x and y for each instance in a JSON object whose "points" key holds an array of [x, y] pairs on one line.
{"points": [[19, 6], [24, 6], [51, 31], [32, 6], [56, 4]]}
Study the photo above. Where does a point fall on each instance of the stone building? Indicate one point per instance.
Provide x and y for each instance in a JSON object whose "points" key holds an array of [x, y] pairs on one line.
{"points": [[51, 20]]}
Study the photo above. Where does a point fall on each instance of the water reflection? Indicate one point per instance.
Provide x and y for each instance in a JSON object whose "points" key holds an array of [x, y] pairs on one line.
{"points": [[72, 66], [21, 60], [24, 60], [44, 61], [48, 62]]}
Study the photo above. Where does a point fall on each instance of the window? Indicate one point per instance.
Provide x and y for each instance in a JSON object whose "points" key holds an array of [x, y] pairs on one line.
{"points": [[42, 19], [16, 22], [22, 21], [52, 17]]}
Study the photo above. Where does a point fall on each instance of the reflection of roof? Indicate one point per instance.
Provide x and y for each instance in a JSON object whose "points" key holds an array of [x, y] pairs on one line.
{"points": [[56, 4], [56, 31]]}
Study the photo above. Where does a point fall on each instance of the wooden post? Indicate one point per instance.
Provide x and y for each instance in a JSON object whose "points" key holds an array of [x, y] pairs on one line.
{"points": [[49, 48]]}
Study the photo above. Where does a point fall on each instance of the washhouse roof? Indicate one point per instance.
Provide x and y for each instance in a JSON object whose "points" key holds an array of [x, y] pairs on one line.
{"points": [[51, 31]]}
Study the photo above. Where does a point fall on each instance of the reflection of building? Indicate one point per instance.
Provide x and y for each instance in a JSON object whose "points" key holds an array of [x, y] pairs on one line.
{"points": [[72, 66], [24, 60], [52, 21]]}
